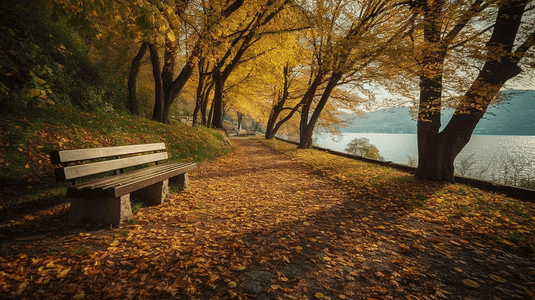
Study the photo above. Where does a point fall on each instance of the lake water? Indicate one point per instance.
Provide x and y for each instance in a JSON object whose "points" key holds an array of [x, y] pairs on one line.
{"points": [[499, 155]]}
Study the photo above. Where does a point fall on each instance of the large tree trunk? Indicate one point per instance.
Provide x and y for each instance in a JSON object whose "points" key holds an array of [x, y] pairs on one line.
{"points": [[217, 118], [307, 128], [167, 89], [158, 85], [131, 104], [437, 151]]}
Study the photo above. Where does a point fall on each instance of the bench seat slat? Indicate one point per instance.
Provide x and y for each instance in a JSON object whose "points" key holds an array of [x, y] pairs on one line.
{"points": [[65, 156], [78, 171], [81, 189], [100, 187], [139, 184], [99, 190]]}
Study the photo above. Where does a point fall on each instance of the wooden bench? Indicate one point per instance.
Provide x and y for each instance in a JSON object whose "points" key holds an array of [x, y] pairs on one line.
{"points": [[107, 199]]}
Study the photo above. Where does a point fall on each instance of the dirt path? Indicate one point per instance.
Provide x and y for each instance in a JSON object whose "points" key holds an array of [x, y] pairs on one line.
{"points": [[257, 225]]}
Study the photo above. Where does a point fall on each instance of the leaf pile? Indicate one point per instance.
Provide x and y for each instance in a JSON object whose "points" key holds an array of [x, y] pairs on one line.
{"points": [[260, 224]]}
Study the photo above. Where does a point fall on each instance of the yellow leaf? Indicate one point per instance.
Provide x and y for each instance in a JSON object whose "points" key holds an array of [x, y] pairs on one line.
{"points": [[458, 269], [232, 284], [298, 248], [403, 246], [171, 36], [497, 278], [63, 273], [275, 286], [284, 279], [79, 296], [470, 283], [313, 240], [319, 295], [114, 243], [365, 219], [111, 249], [455, 243], [306, 223], [327, 258], [507, 243], [440, 246], [27, 166], [479, 245]]}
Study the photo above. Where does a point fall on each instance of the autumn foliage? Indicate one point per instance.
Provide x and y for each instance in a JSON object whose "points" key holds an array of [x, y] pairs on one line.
{"points": [[304, 224]]}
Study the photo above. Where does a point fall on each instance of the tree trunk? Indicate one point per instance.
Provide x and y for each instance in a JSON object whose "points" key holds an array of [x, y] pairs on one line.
{"points": [[198, 94], [210, 113], [273, 116], [204, 104], [131, 104], [166, 88], [217, 112], [271, 128], [437, 151], [307, 128], [240, 119], [157, 112]]}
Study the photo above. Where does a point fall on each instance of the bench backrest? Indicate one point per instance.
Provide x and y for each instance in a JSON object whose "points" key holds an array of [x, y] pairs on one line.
{"points": [[87, 156]]}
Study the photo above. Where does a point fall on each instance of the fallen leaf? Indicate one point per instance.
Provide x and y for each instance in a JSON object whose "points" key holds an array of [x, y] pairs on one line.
{"points": [[470, 283], [497, 278], [231, 284], [403, 246], [319, 295], [79, 296], [63, 273]]}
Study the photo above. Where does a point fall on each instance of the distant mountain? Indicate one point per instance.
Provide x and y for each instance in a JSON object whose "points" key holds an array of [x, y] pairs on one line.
{"points": [[515, 116]]}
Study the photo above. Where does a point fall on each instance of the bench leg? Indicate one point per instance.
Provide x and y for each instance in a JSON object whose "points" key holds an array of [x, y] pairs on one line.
{"points": [[155, 193], [113, 211], [182, 180]]}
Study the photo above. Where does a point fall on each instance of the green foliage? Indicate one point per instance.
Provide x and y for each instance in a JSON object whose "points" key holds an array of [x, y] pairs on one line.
{"points": [[42, 63], [363, 147]]}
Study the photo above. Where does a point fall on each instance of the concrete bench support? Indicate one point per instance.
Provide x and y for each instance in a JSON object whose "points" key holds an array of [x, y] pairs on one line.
{"points": [[155, 193], [101, 210]]}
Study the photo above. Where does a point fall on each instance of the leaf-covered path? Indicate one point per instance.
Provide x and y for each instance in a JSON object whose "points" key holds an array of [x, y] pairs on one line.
{"points": [[256, 224]]}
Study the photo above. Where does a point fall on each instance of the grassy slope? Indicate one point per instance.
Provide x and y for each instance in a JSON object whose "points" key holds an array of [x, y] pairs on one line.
{"points": [[26, 174]]}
